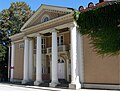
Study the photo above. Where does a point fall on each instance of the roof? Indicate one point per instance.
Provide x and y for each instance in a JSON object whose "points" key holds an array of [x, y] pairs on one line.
{"points": [[97, 5], [43, 6]]}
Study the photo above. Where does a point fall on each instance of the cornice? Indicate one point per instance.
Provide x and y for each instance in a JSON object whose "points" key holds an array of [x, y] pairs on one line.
{"points": [[48, 23], [48, 7], [17, 36]]}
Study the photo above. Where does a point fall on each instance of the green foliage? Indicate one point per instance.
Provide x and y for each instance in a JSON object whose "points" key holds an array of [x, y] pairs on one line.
{"points": [[14, 17], [101, 25], [3, 51], [11, 21], [3, 42]]}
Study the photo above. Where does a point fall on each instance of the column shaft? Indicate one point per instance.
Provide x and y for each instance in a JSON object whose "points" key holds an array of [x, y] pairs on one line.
{"points": [[54, 81], [38, 61], [74, 67], [80, 57], [26, 61], [12, 62], [30, 59], [67, 61]]}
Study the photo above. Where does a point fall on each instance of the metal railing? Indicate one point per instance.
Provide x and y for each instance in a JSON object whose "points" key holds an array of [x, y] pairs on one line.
{"points": [[61, 48]]}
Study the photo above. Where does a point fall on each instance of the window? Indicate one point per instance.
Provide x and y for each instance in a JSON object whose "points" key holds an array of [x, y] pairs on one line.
{"points": [[60, 40], [60, 61], [43, 45], [45, 18]]}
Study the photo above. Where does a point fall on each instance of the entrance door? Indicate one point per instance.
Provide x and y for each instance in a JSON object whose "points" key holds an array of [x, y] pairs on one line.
{"points": [[61, 69]]}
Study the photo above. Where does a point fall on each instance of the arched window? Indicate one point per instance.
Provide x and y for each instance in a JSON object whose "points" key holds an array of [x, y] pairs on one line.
{"points": [[45, 18]]}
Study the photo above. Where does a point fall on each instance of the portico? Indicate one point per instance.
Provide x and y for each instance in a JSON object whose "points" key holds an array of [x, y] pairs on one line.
{"points": [[51, 49], [56, 46]]}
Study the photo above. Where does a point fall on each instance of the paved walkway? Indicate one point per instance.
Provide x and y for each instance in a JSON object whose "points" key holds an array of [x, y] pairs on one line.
{"points": [[14, 87]]}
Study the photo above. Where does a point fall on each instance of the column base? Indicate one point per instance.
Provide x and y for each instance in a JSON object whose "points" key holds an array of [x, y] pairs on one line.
{"points": [[37, 83], [25, 81], [53, 84], [11, 80], [75, 86]]}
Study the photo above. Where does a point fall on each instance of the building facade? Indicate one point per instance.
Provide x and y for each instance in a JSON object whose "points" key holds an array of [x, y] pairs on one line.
{"points": [[50, 47]]}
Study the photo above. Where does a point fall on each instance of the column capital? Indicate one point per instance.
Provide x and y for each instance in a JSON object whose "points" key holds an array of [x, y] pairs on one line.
{"points": [[12, 43], [54, 30], [25, 37], [29, 38], [38, 34], [73, 24]]}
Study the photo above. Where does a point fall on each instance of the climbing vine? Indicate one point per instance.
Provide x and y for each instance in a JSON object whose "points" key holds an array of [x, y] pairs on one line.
{"points": [[102, 25]]}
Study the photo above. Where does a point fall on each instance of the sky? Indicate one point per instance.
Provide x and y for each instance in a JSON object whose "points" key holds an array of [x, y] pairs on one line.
{"points": [[35, 4]]}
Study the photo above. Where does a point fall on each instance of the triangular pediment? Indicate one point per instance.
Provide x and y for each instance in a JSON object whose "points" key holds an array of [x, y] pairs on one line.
{"points": [[46, 13]]}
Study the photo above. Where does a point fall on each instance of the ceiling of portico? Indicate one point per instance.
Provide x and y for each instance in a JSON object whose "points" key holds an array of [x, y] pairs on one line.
{"points": [[60, 31], [52, 11]]}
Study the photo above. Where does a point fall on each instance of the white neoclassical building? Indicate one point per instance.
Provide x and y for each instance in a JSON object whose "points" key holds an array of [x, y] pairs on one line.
{"points": [[45, 48], [50, 47]]}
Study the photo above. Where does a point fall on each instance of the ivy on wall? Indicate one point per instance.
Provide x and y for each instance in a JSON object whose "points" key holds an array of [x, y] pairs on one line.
{"points": [[102, 25]]}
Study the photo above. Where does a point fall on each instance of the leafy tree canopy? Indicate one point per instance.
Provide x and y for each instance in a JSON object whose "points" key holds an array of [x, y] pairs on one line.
{"points": [[14, 17], [11, 20], [102, 25]]}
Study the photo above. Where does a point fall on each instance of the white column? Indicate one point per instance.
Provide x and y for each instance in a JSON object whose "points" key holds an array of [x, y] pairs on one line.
{"points": [[38, 61], [80, 57], [12, 61], [9, 62], [75, 84], [30, 59], [67, 69], [54, 81], [26, 61]]}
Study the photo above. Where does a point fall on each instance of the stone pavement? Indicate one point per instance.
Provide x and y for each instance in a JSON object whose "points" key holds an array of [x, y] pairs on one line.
{"points": [[14, 87], [59, 89]]}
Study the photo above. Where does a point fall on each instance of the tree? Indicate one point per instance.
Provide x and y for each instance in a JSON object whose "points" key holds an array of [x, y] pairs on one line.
{"points": [[14, 17], [11, 21], [3, 41]]}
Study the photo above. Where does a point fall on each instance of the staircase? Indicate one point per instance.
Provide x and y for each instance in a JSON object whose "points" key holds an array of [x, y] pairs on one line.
{"points": [[63, 83]]}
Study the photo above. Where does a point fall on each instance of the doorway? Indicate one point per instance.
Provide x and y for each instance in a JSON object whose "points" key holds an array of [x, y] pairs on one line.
{"points": [[61, 69]]}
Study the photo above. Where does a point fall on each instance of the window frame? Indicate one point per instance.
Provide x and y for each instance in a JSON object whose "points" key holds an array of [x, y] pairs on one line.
{"points": [[44, 17], [60, 40]]}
